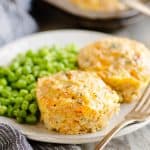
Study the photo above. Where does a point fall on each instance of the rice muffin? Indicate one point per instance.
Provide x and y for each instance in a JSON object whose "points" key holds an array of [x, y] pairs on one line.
{"points": [[100, 5], [76, 102], [122, 63]]}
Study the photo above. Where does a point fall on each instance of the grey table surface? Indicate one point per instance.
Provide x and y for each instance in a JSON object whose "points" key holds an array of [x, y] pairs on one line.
{"points": [[140, 139]]}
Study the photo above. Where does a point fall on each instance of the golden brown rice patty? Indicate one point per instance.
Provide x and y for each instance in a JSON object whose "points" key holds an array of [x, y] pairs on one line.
{"points": [[76, 102], [122, 63]]}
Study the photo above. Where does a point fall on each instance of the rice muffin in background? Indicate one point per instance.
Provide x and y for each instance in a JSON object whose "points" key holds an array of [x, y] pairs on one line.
{"points": [[122, 63], [100, 5], [76, 102]]}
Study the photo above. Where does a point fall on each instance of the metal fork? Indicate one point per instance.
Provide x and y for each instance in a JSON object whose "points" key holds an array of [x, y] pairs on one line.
{"points": [[140, 113], [138, 5]]}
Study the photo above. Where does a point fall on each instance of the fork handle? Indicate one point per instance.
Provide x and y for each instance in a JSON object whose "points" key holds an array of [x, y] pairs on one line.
{"points": [[109, 136], [136, 4]]}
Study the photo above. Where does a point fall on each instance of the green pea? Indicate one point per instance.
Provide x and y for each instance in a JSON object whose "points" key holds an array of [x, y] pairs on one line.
{"points": [[14, 66], [25, 105], [20, 58], [7, 70], [29, 97], [19, 100], [1, 88], [50, 68], [33, 92], [31, 119], [5, 93], [2, 72], [21, 83], [8, 88], [3, 110], [12, 77], [43, 73], [31, 86], [65, 62], [16, 106], [23, 77], [72, 48], [61, 66], [18, 72], [18, 81], [3, 82], [29, 62], [27, 69], [33, 108], [43, 52], [16, 111], [10, 111], [30, 78], [37, 61], [5, 101], [71, 67], [42, 66], [14, 93], [72, 61], [30, 53], [11, 100], [59, 56], [23, 92], [36, 71], [23, 113]]}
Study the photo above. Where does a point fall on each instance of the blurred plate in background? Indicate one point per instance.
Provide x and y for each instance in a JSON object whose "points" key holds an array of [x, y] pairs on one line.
{"points": [[70, 7], [91, 19]]}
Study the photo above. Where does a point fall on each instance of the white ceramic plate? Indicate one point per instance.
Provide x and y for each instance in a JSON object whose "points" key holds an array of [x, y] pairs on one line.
{"points": [[60, 37]]}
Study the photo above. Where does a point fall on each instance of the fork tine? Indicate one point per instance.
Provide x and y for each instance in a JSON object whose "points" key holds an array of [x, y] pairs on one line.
{"points": [[142, 99]]}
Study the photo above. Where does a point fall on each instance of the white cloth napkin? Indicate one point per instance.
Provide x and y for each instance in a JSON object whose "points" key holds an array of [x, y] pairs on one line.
{"points": [[11, 139], [14, 20]]}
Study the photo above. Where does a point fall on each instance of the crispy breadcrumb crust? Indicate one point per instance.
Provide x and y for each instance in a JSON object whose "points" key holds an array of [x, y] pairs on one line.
{"points": [[76, 102], [122, 63]]}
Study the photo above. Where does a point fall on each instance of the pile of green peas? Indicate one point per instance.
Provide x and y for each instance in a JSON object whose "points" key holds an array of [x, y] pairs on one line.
{"points": [[18, 80]]}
